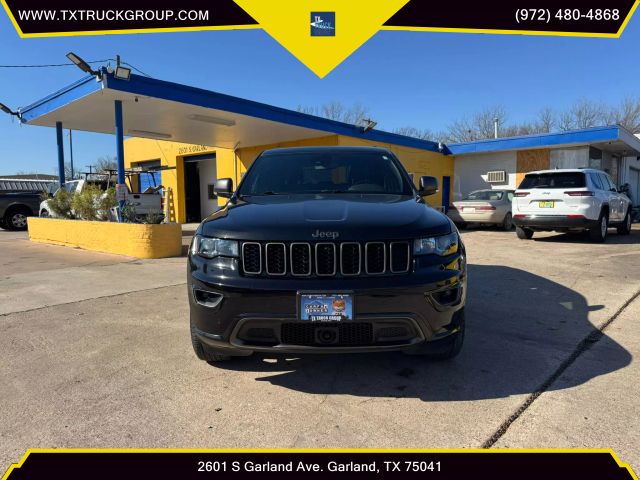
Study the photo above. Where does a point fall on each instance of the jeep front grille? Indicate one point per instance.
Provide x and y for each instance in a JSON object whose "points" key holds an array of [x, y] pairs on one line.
{"points": [[325, 259]]}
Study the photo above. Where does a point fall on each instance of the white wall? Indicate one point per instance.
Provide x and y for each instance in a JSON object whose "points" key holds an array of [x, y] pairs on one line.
{"points": [[207, 172], [470, 172], [569, 157]]}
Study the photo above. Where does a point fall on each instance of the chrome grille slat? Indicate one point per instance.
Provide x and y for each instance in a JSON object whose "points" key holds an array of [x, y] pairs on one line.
{"points": [[300, 259], [326, 259], [399, 264], [350, 258], [373, 264], [276, 258], [248, 258]]}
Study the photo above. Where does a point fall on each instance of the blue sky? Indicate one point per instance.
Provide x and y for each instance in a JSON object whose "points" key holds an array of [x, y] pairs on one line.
{"points": [[420, 79]]}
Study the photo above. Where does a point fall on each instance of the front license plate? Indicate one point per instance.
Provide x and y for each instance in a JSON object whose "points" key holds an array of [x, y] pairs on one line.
{"points": [[326, 307], [546, 204]]}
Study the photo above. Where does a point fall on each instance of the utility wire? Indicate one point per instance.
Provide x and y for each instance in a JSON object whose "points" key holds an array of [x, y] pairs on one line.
{"points": [[53, 64], [136, 69], [73, 64]]}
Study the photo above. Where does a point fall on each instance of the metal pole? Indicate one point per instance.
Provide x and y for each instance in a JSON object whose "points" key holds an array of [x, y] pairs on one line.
{"points": [[71, 153], [120, 187], [60, 154]]}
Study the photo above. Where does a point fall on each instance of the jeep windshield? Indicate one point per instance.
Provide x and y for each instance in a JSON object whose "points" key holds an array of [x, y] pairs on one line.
{"points": [[301, 173]]}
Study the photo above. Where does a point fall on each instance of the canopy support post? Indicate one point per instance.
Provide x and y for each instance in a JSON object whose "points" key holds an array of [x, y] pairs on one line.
{"points": [[60, 154], [121, 188]]}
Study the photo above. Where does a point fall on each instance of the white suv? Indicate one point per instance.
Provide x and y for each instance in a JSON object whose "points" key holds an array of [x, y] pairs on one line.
{"points": [[570, 200]]}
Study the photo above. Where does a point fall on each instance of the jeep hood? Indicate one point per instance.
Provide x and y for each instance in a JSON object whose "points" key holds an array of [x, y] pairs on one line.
{"points": [[346, 217]]}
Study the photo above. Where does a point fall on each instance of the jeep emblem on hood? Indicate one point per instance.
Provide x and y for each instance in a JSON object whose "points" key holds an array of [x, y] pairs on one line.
{"points": [[331, 235]]}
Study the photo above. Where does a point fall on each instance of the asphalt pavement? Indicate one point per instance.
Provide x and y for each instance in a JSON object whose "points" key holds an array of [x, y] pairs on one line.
{"points": [[96, 353]]}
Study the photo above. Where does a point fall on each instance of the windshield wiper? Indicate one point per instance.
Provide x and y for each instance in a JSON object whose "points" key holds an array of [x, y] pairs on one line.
{"points": [[260, 194]]}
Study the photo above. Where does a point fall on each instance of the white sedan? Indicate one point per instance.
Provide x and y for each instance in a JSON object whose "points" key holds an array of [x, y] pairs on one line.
{"points": [[483, 206]]}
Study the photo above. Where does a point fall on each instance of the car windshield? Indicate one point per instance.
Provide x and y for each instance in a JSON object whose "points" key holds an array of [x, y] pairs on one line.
{"points": [[485, 195], [284, 173], [553, 180]]}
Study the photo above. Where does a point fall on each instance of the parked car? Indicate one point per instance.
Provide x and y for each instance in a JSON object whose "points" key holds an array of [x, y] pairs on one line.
{"points": [[143, 203], [16, 207], [326, 250], [492, 207], [570, 200]]}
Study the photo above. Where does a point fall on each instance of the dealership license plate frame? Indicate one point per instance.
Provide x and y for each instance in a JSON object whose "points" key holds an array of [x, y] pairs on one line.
{"points": [[326, 296], [546, 204]]}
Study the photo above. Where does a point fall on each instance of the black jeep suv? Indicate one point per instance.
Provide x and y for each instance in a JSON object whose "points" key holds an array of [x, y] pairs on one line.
{"points": [[326, 250]]}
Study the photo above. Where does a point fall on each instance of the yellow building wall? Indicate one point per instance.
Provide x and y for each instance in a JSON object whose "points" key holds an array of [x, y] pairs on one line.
{"points": [[230, 165], [172, 154]]}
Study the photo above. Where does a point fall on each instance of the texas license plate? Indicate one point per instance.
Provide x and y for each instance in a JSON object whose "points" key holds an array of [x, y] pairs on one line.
{"points": [[326, 307], [546, 204]]}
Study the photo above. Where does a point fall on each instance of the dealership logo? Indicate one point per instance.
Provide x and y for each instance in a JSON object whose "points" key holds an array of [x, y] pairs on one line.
{"points": [[323, 24], [331, 235]]}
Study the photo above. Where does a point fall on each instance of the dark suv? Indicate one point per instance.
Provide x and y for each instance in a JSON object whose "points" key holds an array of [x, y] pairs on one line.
{"points": [[326, 250]]}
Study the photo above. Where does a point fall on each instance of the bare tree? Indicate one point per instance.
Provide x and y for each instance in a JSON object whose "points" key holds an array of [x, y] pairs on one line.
{"points": [[587, 114], [70, 174], [338, 111], [461, 131], [108, 162], [546, 120], [423, 134], [484, 121], [626, 114]]}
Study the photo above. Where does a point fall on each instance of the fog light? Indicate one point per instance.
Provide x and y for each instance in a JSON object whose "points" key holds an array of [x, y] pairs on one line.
{"points": [[207, 299], [447, 297]]}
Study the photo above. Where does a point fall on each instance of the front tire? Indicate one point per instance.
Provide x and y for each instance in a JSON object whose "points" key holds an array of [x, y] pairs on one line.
{"points": [[625, 228], [599, 233], [201, 351], [524, 233], [16, 218]]}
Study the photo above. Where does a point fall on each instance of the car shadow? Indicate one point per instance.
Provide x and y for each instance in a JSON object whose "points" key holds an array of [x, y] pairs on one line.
{"points": [[582, 237], [520, 328]]}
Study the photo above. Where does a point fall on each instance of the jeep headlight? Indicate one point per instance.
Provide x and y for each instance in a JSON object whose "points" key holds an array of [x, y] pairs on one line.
{"points": [[213, 247], [442, 245]]}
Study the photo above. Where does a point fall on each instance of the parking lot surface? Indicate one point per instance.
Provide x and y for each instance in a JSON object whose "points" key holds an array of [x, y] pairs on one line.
{"points": [[96, 353]]}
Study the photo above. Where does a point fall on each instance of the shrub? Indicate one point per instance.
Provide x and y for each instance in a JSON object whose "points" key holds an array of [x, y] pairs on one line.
{"points": [[86, 203], [106, 202], [153, 217], [60, 204], [129, 213]]}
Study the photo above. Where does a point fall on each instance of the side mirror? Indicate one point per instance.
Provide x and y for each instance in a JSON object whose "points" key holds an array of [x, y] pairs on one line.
{"points": [[428, 186], [223, 187]]}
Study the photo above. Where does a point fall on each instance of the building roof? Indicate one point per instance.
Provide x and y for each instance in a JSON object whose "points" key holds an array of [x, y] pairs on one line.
{"points": [[612, 138], [170, 111], [30, 176]]}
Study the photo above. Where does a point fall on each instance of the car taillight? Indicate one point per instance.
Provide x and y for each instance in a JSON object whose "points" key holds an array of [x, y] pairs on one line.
{"points": [[521, 194], [485, 207], [575, 215], [580, 193]]}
